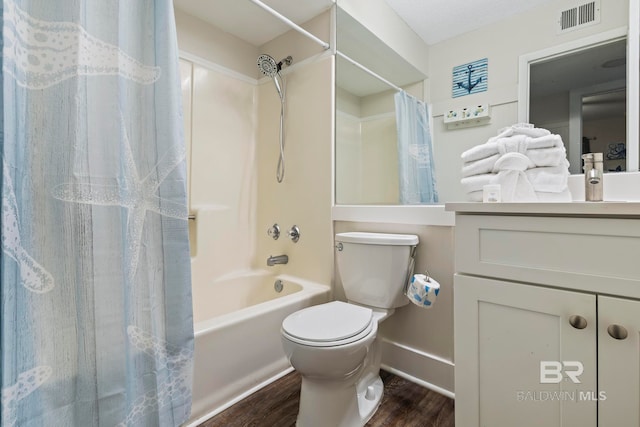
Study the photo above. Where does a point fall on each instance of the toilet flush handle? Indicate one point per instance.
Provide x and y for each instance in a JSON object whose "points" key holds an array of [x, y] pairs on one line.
{"points": [[339, 247]]}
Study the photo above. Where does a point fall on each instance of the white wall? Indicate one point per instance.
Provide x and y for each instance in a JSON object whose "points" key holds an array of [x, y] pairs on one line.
{"points": [[502, 43], [212, 44]]}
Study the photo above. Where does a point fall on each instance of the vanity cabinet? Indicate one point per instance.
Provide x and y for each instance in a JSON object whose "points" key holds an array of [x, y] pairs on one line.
{"points": [[547, 317]]}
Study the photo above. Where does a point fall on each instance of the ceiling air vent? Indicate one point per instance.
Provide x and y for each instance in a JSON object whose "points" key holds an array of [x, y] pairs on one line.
{"points": [[579, 16]]}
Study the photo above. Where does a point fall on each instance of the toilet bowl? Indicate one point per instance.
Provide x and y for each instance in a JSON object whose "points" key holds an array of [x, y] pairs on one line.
{"points": [[332, 362], [333, 346]]}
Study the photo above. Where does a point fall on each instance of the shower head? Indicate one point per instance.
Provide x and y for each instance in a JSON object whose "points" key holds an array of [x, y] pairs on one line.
{"points": [[269, 67]]}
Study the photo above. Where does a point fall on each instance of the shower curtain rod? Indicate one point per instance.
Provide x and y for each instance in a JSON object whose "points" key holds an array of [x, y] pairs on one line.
{"points": [[368, 71], [289, 22]]}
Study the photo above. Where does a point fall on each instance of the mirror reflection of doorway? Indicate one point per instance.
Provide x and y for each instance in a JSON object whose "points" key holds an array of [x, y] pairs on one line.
{"points": [[604, 128]]}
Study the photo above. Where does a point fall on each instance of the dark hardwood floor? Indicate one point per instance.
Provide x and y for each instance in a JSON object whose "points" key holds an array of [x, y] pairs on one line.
{"points": [[404, 404]]}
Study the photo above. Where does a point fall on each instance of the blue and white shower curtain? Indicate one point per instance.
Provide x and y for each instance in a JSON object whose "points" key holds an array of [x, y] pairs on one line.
{"points": [[96, 322], [415, 151]]}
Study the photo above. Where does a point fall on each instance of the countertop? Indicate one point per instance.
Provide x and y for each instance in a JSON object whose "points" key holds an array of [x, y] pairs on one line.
{"points": [[581, 209]]}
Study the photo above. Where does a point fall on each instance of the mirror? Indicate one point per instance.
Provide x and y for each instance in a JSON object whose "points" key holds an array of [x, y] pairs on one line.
{"points": [[507, 94], [581, 95], [366, 136]]}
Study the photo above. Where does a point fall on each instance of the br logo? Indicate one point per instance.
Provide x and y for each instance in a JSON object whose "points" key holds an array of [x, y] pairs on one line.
{"points": [[551, 371]]}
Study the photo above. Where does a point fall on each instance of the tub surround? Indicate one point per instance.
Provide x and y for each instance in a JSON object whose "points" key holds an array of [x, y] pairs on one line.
{"points": [[230, 111]]}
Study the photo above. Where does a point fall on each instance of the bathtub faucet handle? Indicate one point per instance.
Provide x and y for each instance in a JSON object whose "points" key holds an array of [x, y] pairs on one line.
{"points": [[274, 231], [278, 259], [294, 233]]}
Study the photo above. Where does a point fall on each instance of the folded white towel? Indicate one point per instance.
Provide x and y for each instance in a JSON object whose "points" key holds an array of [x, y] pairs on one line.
{"points": [[512, 161], [551, 179], [479, 152], [512, 144], [547, 141], [526, 129], [476, 182], [481, 166], [544, 157], [493, 146], [523, 159]]}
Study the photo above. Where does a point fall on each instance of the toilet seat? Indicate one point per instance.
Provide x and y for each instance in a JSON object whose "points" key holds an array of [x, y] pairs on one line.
{"points": [[327, 325]]}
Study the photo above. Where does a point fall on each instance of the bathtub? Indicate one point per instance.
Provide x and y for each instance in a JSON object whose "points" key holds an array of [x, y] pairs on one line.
{"points": [[237, 336]]}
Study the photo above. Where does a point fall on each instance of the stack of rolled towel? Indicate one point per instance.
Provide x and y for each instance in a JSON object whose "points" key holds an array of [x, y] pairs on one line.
{"points": [[529, 163]]}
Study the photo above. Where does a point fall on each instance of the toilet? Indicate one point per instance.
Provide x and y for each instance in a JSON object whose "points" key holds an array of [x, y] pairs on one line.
{"points": [[333, 346]]}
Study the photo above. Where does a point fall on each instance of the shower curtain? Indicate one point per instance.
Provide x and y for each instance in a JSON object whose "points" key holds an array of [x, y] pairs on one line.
{"points": [[415, 151], [96, 320]]}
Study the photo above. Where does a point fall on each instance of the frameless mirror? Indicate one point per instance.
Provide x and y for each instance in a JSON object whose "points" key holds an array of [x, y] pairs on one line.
{"points": [[581, 95], [604, 110], [366, 136]]}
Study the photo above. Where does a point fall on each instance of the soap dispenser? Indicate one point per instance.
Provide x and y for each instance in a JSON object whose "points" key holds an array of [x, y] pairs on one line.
{"points": [[593, 177]]}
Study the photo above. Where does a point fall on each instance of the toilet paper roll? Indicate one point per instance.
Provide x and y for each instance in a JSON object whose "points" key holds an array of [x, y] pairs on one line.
{"points": [[423, 290]]}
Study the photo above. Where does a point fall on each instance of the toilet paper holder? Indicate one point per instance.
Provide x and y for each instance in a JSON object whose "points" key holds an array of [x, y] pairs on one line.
{"points": [[410, 268]]}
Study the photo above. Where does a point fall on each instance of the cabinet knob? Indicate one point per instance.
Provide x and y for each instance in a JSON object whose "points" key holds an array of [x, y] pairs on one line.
{"points": [[578, 322], [618, 332]]}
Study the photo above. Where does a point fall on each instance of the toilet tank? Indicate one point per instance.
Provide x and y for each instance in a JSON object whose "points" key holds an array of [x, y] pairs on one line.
{"points": [[374, 267]]}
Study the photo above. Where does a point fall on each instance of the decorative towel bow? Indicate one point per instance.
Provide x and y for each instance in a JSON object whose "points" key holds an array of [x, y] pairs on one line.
{"points": [[511, 176]]}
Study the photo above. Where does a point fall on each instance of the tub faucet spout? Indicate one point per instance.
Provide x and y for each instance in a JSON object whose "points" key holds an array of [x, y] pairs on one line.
{"points": [[278, 259]]}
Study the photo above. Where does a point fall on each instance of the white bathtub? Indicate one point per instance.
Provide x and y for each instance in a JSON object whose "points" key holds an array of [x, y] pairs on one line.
{"points": [[237, 336]]}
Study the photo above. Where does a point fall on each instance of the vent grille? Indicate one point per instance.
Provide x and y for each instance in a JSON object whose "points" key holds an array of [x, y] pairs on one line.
{"points": [[579, 16]]}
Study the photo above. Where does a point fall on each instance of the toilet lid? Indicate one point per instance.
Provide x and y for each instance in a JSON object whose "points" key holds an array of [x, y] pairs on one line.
{"points": [[333, 321]]}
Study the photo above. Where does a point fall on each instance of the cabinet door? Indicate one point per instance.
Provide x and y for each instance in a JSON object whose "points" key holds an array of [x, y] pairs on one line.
{"points": [[618, 362], [503, 331]]}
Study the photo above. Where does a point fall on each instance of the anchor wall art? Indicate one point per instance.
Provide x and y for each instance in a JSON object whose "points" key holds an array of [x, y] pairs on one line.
{"points": [[470, 78]]}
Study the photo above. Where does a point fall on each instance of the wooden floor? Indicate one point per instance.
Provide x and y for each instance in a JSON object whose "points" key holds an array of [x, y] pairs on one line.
{"points": [[404, 404]]}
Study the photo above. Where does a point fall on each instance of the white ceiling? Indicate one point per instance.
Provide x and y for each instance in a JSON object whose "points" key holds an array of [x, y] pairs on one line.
{"points": [[438, 20], [249, 22], [432, 20]]}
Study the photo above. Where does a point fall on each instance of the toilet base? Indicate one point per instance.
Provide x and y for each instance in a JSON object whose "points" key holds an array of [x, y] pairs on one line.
{"points": [[324, 403]]}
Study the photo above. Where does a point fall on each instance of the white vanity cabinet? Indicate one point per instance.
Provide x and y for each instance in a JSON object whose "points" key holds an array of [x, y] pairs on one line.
{"points": [[547, 315]]}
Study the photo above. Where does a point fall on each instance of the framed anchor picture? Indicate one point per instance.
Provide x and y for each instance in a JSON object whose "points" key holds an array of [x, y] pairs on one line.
{"points": [[470, 78]]}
